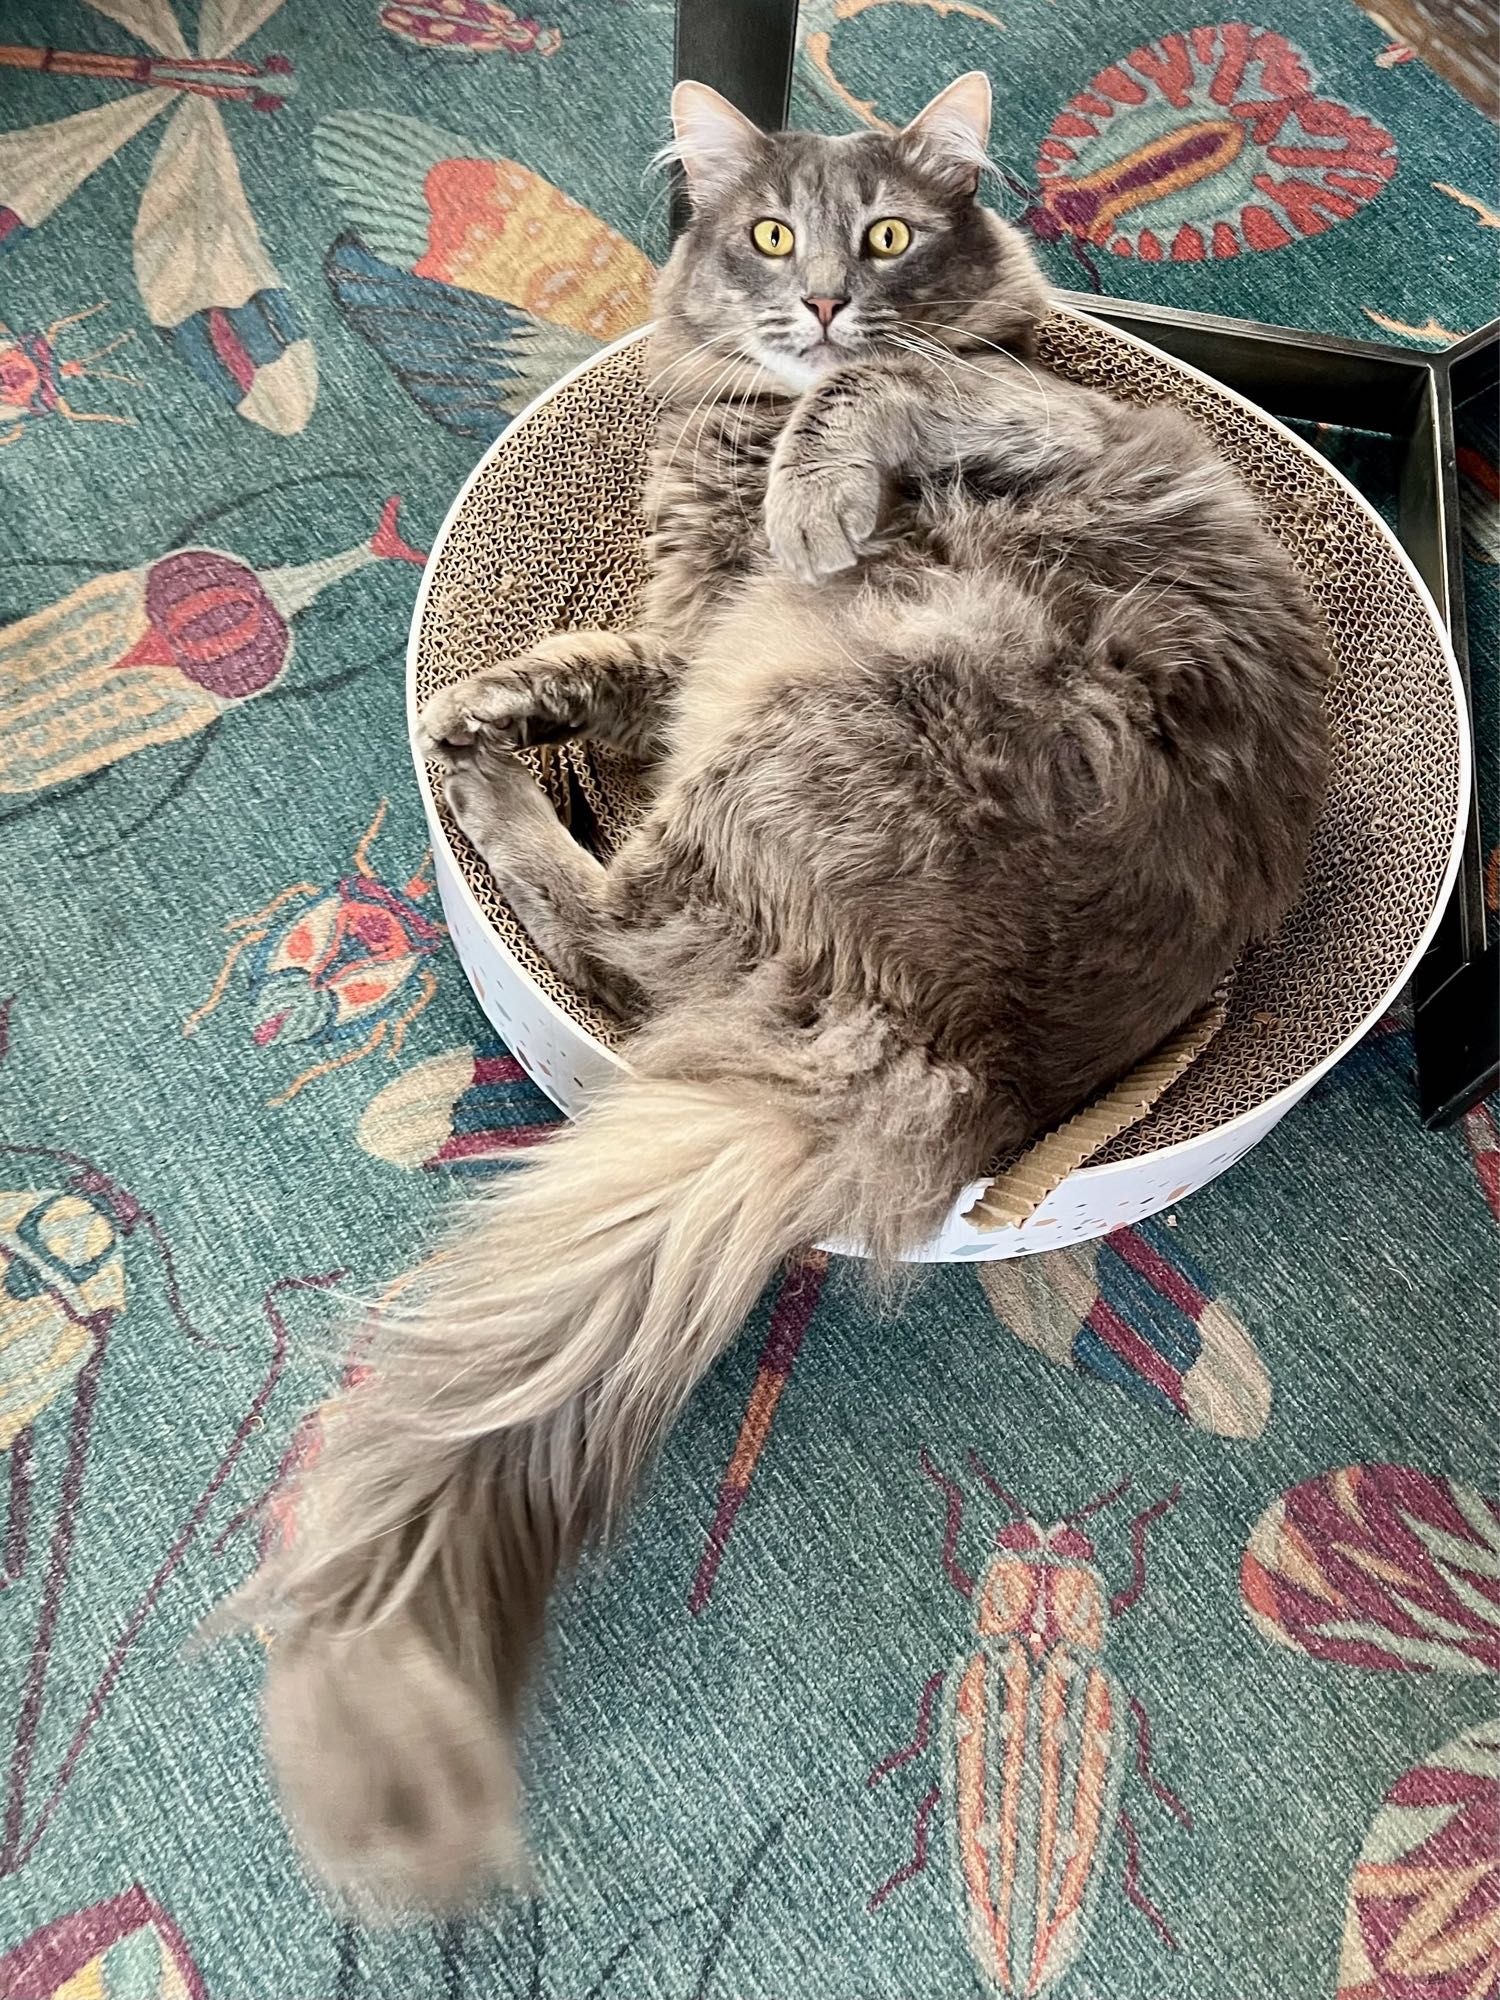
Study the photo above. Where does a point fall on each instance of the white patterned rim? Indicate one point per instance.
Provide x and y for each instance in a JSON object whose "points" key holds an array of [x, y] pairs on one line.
{"points": [[570, 1064]]}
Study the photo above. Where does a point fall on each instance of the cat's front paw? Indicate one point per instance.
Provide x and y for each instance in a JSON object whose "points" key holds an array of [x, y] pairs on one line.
{"points": [[505, 707], [821, 518]]}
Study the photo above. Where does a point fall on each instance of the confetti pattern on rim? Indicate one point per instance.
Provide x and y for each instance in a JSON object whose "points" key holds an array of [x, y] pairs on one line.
{"points": [[550, 536]]}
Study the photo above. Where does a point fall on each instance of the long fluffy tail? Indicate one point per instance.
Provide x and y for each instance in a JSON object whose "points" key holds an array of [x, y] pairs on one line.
{"points": [[558, 1333]]}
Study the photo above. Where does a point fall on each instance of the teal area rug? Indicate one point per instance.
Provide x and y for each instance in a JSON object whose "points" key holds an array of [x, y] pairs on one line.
{"points": [[253, 341]]}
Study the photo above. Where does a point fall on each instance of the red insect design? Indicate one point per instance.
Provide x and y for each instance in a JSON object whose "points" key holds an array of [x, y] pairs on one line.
{"points": [[1207, 143], [333, 969], [32, 372]]}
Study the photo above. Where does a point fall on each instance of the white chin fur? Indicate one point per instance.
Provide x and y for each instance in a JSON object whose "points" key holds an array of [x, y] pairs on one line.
{"points": [[799, 372]]}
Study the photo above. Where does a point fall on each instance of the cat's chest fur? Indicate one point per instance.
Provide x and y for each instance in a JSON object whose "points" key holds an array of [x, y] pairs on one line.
{"points": [[743, 631], [705, 502], [714, 594]]}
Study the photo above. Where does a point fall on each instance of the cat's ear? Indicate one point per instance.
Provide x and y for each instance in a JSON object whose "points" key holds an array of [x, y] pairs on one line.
{"points": [[950, 139], [714, 142]]}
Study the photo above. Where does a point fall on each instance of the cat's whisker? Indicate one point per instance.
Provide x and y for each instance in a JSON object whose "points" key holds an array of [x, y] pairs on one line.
{"points": [[958, 299], [709, 381], [719, 412], [739, 408], [934, 349], [1005, 353], [704, 405], [657, 390], [923, 352], [724, 477], [745, 402], [692, 353], [733, 412], [707, 352], [665, 392]]}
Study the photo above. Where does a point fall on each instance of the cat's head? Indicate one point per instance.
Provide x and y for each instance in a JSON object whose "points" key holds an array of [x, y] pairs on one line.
{"points": [[804, 251]]}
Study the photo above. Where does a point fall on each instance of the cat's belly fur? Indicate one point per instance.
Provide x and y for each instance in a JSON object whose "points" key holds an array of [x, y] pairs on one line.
{"points": [[926, 785], [836, 805]]}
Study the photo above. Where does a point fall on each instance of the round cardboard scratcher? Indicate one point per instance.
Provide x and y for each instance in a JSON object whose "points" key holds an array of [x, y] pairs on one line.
{"points": [[550, 535]]}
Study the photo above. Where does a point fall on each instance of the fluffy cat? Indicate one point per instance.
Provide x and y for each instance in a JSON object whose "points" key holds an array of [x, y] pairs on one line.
{"points": [[986, 729]]}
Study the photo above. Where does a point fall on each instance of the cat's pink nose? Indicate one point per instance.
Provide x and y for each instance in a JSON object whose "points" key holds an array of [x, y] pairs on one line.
{"points": [[825, 309]]}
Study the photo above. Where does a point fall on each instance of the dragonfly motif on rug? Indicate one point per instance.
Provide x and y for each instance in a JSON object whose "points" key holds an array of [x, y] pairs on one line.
{"points": [[207, 282]]}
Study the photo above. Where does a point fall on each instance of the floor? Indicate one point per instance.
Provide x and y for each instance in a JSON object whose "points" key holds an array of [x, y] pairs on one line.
{"points": [[251, 353]]}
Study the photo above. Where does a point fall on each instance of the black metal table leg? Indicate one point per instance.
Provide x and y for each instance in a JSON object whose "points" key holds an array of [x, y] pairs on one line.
{"points": [[744, 50], [1457, 988]]}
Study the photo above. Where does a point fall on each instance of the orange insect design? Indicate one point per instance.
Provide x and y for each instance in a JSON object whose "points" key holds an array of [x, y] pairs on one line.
{"points": [[32, 372], [336, 973], [1034, 1743]]}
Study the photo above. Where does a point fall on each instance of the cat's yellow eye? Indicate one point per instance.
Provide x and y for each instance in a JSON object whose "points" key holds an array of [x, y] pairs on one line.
{"points": [[772, 238], [888, 237]]}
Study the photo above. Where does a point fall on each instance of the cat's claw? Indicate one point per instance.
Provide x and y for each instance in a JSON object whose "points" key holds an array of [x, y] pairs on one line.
{"points": [[501, 708], [821, 520]]}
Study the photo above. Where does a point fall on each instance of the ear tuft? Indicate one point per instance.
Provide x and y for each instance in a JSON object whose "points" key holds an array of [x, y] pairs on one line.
{"points": [[950, 139], [714, 142]]}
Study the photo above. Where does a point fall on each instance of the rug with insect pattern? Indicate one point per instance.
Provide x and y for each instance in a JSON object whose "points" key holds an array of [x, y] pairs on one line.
{"points": [[272, 273]]}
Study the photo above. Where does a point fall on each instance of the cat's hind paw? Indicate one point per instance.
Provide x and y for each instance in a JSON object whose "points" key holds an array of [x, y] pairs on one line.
{"points": [[498, 806]]}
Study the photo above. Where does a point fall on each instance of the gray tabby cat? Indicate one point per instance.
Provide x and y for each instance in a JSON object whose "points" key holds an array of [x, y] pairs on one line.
{"points": [[986, 730]]}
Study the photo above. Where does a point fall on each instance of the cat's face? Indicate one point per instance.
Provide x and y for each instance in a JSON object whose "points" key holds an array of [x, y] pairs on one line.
{"points": [[805, 251]]}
